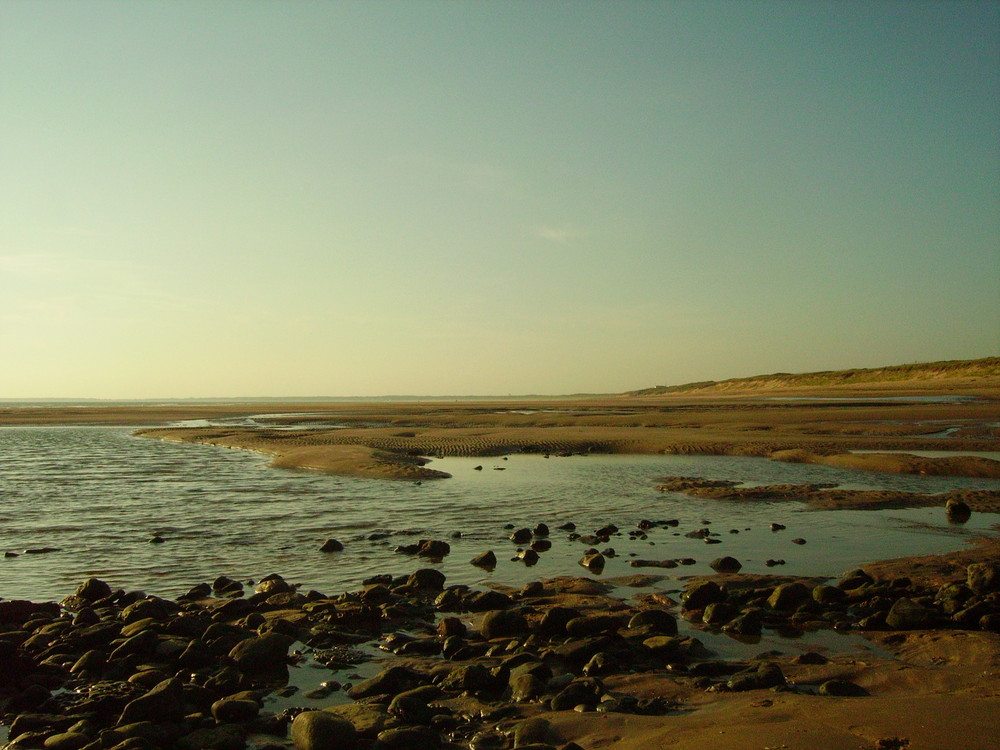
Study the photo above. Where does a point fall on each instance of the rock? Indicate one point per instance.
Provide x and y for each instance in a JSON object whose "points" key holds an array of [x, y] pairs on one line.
{"points": [[788, 595], [810, 657], [481, 601], [266, 653], [725, 565], [222, 737], [473, 678], [823, 594], [526, 687], [718, 614], [165, 702], [369, 719], [540, 529], [322, 730], [426, 578], [581, 627], [586, 691], [957, 511], [521, 536], [700, 595], [485, 560], [407, 738], [750, 622], [501, 623], [528, 731], [658, 620], [594, 562], [906, 614], [273, 584], [842, 688], [332, 545], [93, 589], [434, 549], [983, 578], [411, 708], [66, 741], [389, 681], [234, 711], [766, 675], [528, 556]]}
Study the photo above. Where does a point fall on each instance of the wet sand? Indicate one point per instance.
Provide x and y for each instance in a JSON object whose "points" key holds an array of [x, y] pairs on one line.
{"points": [[811, 432]]}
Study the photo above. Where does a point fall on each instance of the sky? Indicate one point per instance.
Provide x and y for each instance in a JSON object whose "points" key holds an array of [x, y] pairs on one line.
{"points": [[299, 198]]}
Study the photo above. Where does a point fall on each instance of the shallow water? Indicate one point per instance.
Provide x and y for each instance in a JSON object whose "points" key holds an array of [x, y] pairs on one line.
{"points": [[98, 495]]}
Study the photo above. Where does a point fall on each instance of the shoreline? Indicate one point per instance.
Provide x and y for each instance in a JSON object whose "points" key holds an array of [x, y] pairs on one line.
{"points": [[578, 647]]}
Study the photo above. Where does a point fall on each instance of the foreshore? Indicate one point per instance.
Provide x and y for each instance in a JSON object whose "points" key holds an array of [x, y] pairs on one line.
{"points": [[564, 663], [825, 432]]}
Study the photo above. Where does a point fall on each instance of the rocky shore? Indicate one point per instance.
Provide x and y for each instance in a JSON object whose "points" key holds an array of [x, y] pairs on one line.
{"points": [[558, 664]]}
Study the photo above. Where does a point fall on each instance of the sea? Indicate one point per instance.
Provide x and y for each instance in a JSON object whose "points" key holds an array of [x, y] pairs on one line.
{"points": [[160, 517]]}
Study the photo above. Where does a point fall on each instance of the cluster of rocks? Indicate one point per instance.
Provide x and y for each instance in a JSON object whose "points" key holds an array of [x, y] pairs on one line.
{"points": [[116, 670], [856, 602]]}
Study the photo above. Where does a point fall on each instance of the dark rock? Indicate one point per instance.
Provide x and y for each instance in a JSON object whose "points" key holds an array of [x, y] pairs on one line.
{"points": [[957, 511], [765, 675], [222, 737], [907, 614], [810, 657], [700, 595], [554, 620], [433, 548], [426, 578], [725, 565], [586, 691], [717, 614], [485, 560], [526, 687], [594, 562], [266, 653], [658, 620], [389, 681], [521, 536], [501, 623], [407, 738], [234, 710], [486, 600], [788, 595], [165, 702], [368, 719], [322, 730], [530, 731], [842, 688], [332, 545], [580, 627], [983, 578], [828, 594]]}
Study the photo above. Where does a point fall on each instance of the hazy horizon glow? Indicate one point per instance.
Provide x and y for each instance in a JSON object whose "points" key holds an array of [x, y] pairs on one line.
{"points": [[356, 199]]}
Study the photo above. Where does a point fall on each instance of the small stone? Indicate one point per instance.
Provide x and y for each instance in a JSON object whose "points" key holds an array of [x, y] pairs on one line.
{"points": [[332, 545]]}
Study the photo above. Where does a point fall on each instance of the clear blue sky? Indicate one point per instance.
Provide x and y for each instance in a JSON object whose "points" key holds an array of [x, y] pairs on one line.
{"points": [[340, 198]]}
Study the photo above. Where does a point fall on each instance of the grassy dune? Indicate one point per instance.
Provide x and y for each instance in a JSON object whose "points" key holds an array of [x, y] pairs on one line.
{"points": [[984, 371]]}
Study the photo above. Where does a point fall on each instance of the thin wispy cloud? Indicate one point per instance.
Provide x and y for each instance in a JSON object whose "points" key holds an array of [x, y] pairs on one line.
{"points": [[565, 235]]}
